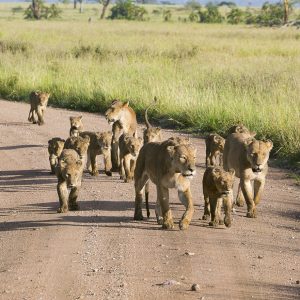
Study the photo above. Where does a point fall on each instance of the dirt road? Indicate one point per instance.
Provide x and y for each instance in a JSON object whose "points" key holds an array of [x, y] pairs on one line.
{"points": [[99, 252]]}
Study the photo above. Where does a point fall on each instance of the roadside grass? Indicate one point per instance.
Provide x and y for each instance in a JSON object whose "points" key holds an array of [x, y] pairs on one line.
{"points": [[206, 77]]}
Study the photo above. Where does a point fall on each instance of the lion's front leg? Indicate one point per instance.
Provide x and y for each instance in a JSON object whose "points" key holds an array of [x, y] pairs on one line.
{"points": [[73, 205], [127, 162], [62, 191], [158, 212], [248, 194], [206, 214], [53, 163], [163, 196], [107, 163], [93, 161], [214, 221], [40, 114], [258, 189], [227, 202], [115, 157], [240, 200], [186, 199], [139, 184]]}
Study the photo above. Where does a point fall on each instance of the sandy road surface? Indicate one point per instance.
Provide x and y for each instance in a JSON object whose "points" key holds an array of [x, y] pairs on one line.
{"points": [[99, 252]]}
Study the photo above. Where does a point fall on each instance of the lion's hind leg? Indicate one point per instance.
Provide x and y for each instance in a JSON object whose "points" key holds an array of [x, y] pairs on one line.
{"points": [[139, 185]]}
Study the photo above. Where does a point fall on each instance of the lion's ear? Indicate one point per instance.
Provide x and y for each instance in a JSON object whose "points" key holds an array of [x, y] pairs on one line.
{"points": [[49, 142], [253, 133], [87, 138], [157, 130], [269, 144], [79, 163], [80, 117], [171, 150], [62, 163], [71, 118], [232, 172], [248, 142], [126, 104]]}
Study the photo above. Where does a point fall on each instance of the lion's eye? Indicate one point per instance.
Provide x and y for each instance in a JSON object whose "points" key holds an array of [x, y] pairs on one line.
{"points": [[182, 158]]}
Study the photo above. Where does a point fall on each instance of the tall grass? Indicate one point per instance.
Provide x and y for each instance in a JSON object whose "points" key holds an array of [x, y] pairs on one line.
{"points": [[206, 77]]}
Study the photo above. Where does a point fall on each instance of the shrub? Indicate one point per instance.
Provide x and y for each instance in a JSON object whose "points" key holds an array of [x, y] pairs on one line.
{"points": [[194, 16], [235, 16], [211, 15], [167, 15], [125, 9], [271, 14], [41, 11]]}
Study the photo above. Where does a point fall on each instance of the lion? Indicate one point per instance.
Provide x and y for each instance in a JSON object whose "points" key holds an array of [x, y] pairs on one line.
{"points": [[217, 190], [69, 173], [123, 120], [76, 125], [240, 128], [168, 165], [79, 144], [55, 148], [249, 158], [214, 149], [38, 104], [100, 143], [129, 151]]}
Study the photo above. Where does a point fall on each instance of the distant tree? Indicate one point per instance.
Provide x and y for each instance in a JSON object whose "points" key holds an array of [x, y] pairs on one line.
{"points": [[105, 4], [38, 10], [194, 16], [227, 3], [125, 9], [167, 15], [75, 4], [193, 5], [211, 15], [286, 11]]}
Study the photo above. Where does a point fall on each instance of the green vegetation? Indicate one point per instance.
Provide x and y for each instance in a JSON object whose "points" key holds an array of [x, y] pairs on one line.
{"points": [[125, 9], [205, 76]]}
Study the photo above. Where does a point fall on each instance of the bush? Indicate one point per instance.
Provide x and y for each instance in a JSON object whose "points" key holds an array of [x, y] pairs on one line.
{"points": [[211, 15], [41, 11], [235, 16], [125, 9], [167, 15], [271, 14], [194, 16]]}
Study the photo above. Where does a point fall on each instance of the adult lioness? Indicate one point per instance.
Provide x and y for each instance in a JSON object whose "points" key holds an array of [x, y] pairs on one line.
{"points": [[249, 158], [69, 174], [123, 119], [38, 104], [168, 165]]}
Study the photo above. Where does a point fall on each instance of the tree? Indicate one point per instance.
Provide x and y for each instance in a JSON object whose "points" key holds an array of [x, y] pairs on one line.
{"points": [[38, 10], [286, 11], [235, 16], [105, 4], [125, 9]]}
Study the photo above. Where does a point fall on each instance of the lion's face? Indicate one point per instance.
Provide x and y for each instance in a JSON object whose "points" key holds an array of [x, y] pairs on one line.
{"points": [[43, 98], [56, 146], [71, 172], [104, 139], [152, 134], [223, 180], [219, 142], [133, 145], [76, 122], [258, 153], [115, 111], [80, 144], [183, 159]]}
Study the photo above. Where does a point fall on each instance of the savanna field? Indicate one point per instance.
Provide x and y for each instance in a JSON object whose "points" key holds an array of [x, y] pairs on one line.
{"points": [[206, 77]]}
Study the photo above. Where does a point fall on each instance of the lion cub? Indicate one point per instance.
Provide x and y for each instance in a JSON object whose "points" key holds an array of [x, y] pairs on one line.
{"points": [[214, 148], [129, 149], [76, 126], [69, 173], [38, 104], [240, 128], [55, 148], [100, 143], [79, 144], [217, 190]]}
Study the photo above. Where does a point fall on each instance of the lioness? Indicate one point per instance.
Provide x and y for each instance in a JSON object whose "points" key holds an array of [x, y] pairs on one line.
{"points": [[168, 165], [123, 119], [214, 148], [100, 143], [76, 125], [38, 104], [55, 147], [217, 190], [129, 150], [240, 128], [79, 144], [69, 174], [249, 158]]}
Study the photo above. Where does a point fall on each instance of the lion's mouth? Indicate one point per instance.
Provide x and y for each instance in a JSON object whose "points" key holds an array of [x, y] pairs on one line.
{"points": [[111, 121], [256, 170], [189, 175]]}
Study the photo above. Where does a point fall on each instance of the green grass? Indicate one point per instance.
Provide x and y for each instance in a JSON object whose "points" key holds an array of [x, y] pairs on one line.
{"points": [[205, 76]]}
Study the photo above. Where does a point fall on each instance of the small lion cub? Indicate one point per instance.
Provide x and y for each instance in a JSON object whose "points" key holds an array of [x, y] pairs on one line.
{"points": [[79, 144], [129, 150], [214, 148], [217, 189], [38, 104], [55, 148], [76, 126]]}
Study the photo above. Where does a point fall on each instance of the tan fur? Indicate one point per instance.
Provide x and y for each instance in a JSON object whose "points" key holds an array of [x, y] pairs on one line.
{"points": [[249, 158], [168, 165], [55, 147], [79, 144], [129, 151], [123, 119], [76, 125], [217, 190], [69, 174], [240, 128], [100, 144], [214, 149], [38, 104]]}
